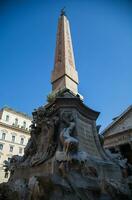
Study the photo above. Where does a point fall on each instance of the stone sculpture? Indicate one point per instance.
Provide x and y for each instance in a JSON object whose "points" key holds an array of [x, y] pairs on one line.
{"points": [[42, 144], [64, 158], [55, 165], [69, 142]]}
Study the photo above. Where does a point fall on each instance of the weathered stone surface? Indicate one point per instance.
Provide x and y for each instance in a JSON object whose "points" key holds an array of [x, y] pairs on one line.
{"points": [[72, 185], [64, 74], [64, 158]]}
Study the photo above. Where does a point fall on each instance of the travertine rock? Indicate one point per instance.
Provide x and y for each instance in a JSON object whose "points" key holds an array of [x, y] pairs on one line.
{"points": [[64, 158]]}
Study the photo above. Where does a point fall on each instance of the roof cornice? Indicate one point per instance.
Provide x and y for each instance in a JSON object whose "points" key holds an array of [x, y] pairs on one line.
{"points": [[15, 128], [6, 108], [120, 117]]}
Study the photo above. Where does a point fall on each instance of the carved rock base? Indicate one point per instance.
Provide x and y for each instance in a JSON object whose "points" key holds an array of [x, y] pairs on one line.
{"points": [[64, 158], [66, 186]]}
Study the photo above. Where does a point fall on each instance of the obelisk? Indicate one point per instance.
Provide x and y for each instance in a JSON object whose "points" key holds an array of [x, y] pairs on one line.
{"points": [[64, 75]]}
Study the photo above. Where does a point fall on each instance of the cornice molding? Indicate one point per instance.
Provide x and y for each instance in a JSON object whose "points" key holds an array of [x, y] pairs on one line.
{"points": [[14, 128]]}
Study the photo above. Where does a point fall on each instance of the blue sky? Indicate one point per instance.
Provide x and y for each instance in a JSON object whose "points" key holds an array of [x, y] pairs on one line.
{"points": [[102, 42]]}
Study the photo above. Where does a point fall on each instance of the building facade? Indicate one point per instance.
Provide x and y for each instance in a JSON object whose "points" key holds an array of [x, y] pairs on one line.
{"points": [[14, 135], [118, 135]]}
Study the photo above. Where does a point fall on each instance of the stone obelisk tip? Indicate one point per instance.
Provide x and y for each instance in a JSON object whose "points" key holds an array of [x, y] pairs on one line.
{"points": [[63, 11]]}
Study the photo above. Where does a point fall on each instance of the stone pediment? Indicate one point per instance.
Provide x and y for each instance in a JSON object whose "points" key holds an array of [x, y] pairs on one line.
{"points": [[120, 124]]}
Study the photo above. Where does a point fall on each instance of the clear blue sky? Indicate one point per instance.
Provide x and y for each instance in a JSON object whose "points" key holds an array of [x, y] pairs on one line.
{"points": [[102, 41]]}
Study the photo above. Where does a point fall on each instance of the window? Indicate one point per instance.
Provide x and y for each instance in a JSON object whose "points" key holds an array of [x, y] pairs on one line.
{"points": [[9, 159], [7, 118], [22, 141], [24, 124], [13, 138], [11, 148], [16, 122], [1, 146], [3, 136], [20, 150]]}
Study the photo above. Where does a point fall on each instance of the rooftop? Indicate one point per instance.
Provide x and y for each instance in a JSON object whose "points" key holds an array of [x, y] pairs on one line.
{"points": [[116, 119], [16, 112]]}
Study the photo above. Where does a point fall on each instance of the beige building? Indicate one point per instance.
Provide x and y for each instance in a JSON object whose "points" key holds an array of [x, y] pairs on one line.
{"points": [[14, 135], [118, 135]]}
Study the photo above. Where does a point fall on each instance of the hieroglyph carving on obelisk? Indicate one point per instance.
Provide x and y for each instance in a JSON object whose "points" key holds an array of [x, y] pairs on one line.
{"points": [[64, 74]]}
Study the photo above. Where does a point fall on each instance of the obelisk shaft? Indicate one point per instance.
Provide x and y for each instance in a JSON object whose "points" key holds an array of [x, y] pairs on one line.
{"points": [[64, 74]]}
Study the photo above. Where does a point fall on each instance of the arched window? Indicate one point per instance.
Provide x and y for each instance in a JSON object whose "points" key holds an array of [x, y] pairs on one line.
{"points": [[24, 124], [22, 141], [11, 148], [1, 146], [16, 122], [3, 136], [9, 159], [13, 138], [7, 118], [20, 150]]}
